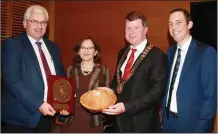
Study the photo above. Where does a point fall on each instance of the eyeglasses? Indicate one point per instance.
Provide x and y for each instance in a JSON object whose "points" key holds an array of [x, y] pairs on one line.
{"points": [[35, 22], [88, 48]]}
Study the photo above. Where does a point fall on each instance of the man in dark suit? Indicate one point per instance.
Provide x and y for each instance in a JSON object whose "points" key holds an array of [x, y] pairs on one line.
{"points": [[190, 102], [139, 80], [27, 59]]}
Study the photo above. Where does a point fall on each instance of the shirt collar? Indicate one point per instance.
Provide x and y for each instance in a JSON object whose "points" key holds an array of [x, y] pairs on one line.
{"points": [[140, 47], [186, 45], [33, 41]]}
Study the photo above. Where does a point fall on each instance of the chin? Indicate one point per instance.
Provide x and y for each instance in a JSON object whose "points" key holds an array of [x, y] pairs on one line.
{"points": [[39, 36], [177, 39], [132, 42]]}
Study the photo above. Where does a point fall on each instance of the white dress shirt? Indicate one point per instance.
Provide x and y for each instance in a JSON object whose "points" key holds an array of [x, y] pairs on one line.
{"points": [[49, 61], [184, 49], [139, 48]]}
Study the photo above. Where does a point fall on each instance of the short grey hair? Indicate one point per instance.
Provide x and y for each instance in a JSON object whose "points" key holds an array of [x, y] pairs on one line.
{"points": [[35, 7]]}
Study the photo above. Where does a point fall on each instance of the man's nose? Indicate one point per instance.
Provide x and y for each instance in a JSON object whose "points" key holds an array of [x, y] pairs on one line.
{"points": [[131, 31], [174, 26], [39, 25]]}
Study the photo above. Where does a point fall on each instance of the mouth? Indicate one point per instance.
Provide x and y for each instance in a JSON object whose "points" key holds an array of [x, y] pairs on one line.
{"points": [[175, 33], [132, 37], [38, 29], [86, 54], [39, 32]]}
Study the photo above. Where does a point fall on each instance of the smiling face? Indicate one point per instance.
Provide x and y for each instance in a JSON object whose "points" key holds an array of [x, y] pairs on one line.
{"points": [[179, 28], [135, 32], [35, 30], [87, 51]]}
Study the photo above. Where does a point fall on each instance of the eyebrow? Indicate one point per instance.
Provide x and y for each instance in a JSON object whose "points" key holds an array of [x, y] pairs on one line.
{"points": [[175, 21]]}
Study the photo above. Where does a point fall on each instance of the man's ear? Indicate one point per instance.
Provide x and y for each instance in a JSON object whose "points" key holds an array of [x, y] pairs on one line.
{"points": [[145, 30], [190, 24], [24, 23]]}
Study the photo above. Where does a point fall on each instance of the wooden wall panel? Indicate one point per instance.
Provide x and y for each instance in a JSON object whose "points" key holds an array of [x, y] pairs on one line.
{"points": [[105, 22]]}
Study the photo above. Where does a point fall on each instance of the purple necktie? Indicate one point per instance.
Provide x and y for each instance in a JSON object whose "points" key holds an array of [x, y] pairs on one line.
{"points": [[44, 61]]}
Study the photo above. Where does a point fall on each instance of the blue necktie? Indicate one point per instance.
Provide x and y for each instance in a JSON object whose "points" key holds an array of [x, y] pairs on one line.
{"points": [[175, 71]]}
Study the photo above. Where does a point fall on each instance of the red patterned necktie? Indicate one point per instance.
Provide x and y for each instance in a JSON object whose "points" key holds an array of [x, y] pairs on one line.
{"points": [[128, 67], [44, 61]]}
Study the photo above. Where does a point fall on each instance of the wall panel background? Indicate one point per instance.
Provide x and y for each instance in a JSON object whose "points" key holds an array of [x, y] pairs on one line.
{"points": [[105, 22]]}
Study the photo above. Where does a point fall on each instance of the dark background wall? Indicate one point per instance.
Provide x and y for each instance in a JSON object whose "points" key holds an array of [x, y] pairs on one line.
{"points": [[204, 15]]}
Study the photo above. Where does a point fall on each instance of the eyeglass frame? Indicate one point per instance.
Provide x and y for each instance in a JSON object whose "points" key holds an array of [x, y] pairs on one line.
{"points": [[35, 22], [86, 48]]}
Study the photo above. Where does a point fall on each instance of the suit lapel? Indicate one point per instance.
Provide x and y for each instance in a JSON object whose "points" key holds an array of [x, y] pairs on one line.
{"points": [[122, 54], [171, 58], [51, 52], [27, 44], [188, 57], [138, 58], [141, 54]]}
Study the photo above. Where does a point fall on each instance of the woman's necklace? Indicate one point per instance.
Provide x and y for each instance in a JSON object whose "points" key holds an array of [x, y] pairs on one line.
{"points": [[86, 70]]}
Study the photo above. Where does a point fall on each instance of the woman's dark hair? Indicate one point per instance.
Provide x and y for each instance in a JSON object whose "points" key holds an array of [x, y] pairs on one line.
{"points": [[78, 46]]}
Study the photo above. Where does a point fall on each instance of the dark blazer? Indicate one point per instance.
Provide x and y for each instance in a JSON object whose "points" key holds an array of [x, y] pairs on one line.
{"points": [[24, 88], [142, 93], [197, 89]]}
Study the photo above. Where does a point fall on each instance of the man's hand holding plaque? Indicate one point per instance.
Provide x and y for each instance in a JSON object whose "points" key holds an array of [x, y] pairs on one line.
{"points": [[46, 109], [61, 92]]}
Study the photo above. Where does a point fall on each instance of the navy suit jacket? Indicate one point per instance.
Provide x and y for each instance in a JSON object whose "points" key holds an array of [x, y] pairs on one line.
{"points": [[23, 92], [197, 89]]}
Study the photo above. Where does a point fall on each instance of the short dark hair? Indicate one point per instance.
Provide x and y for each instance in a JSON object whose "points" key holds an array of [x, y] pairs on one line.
{"points": [[133, 15], [185, 12], [78, 46]]}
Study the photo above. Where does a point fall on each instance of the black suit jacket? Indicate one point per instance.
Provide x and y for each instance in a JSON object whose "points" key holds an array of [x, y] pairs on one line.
{"points": [[24, 87], [142, 93]]}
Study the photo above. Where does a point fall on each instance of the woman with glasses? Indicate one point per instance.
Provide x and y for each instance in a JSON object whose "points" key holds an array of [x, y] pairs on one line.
{"points": [[89, 74]]}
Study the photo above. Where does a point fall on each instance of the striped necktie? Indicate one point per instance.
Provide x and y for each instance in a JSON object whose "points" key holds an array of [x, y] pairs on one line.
{"points": [[175, 71], [128, 67]]}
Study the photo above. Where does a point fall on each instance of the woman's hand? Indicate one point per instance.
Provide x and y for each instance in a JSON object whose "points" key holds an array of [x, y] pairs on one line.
{"points": [[64, 112]]}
